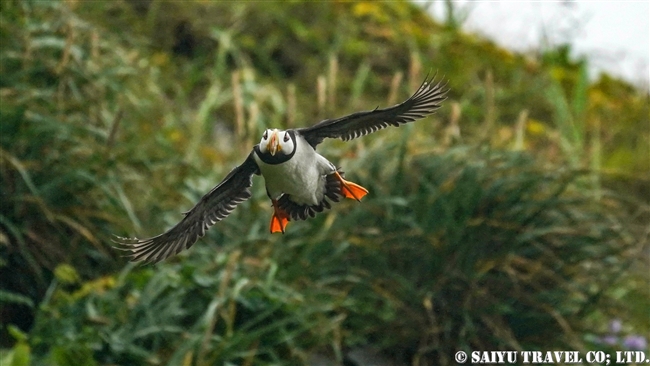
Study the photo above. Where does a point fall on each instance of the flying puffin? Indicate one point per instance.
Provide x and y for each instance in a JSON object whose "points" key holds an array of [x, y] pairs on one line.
{"points": [[299, 181]]}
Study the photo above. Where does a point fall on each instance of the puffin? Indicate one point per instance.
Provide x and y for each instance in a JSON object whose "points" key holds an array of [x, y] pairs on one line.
{"points": [[299, 181]]}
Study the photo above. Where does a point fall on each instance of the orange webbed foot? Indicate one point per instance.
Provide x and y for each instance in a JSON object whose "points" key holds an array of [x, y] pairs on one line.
{"points": [[279, 220], [351, 190]]}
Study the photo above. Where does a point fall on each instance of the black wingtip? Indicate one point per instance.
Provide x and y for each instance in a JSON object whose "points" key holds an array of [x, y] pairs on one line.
{"points": [[428, 87], [125, 244]]}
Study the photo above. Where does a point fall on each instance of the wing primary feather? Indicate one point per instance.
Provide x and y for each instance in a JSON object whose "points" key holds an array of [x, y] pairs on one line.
{"points": [[425, 101], [212, 208]]}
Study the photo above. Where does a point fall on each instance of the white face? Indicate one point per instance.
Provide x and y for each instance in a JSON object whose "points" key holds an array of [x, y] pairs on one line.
{"points": [[276, 142]]}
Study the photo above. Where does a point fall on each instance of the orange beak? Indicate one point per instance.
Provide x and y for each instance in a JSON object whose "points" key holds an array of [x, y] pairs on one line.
{"points": [[274, 144]]}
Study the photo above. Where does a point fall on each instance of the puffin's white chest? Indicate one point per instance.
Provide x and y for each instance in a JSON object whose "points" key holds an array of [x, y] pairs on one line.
{"points": [[302, 177]]}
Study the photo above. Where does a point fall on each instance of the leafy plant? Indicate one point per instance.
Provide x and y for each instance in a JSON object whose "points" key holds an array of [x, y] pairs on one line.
{"points": [[469, 249]]}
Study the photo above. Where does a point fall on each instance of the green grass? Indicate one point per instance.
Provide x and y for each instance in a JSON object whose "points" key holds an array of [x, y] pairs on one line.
{"points": [[474, 250]]}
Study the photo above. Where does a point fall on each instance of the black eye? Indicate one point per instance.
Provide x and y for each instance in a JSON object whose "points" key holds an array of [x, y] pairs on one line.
{"points": [[265, 135], [286, 137]]}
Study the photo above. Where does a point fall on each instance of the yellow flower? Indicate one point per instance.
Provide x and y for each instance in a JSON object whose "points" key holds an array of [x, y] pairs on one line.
{"points": [[535, 127], [66, 274]]}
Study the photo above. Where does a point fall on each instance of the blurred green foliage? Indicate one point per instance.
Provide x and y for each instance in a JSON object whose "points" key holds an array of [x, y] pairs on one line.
{"points": [[515, 218]]}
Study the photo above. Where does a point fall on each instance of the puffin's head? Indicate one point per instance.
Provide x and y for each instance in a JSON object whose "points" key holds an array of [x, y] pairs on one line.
{"points": [[277, 142]]}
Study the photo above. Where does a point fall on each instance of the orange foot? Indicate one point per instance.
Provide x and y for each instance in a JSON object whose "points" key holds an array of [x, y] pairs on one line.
{"points": [[279, 219], [351, 190]]}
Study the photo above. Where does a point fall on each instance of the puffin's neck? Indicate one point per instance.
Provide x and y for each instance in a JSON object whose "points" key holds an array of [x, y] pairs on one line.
{"points": [[276, 159]]}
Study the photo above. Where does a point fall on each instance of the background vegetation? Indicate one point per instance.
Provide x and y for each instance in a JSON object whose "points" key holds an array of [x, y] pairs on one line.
{"points": [[515, 218]]}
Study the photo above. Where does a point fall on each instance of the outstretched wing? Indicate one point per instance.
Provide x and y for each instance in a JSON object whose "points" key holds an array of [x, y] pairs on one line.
{"points": [[424, 102], [212, 208]]}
